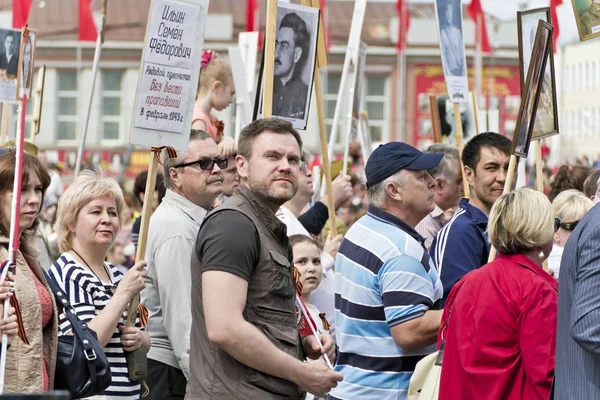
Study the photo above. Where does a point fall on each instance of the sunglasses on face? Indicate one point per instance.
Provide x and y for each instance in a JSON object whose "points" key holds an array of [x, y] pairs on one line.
{"points": [[303, 167], [6, 150], [207, 164], [567, 226]]}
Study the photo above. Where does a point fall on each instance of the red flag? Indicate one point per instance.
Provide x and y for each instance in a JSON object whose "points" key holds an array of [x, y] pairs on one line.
{"points": [[87, 26], [20, 13], [251, 15], [323, 5], [554, 20], [475, 10], [403, 23]]}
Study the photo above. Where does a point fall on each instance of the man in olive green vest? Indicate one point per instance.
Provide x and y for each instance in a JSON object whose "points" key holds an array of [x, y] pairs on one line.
{"points": [[244, 340]]}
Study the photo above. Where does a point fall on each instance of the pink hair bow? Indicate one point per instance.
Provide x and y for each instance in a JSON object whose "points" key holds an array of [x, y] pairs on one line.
{"points": [[207, 55]]}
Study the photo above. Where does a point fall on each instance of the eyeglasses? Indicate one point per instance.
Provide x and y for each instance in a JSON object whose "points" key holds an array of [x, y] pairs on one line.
{"points": [[6, 150], [206, 164], [567, 226], [303, 167]]}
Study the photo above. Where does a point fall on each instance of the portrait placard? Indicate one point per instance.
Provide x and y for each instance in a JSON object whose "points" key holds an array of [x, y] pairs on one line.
{"points": [[452, 47], [546, 120], [26, 63], [533, 88], [10, 45], [587, 16], [169, 73], [444, 109], [243, 101], [295, 60]]}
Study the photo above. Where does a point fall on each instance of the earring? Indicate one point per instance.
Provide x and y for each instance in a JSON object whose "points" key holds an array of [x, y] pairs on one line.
{"points": [[541, 254]]}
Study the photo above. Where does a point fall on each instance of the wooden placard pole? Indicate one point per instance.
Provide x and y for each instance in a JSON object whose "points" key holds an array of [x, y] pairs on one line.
{"points": [[475, 112], [145, 222], [322, 62], [460, 145], [435, 119], [539, 177], [510, 176], [37, 107], [269, 64]]}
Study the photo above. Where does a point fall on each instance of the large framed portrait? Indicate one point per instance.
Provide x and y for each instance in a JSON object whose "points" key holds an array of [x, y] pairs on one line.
{"points": [[26, 64], [533, 88], [452, 48], [295, 61], [10, 45], [546, 120], [587, 16]]}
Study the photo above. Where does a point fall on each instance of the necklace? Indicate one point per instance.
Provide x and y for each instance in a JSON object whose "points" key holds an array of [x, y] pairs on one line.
{"points": [[110, 287]]}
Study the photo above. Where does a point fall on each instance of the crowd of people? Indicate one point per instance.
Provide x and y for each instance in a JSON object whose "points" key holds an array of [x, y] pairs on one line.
{"points": [[236, 242]]}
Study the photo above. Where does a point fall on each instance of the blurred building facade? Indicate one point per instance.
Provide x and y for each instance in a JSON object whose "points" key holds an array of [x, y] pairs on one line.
{"points": [[397, 106]]}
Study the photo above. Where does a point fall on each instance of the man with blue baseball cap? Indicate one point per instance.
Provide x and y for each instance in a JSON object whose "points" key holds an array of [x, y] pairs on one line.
{"points": [[387, 290]]}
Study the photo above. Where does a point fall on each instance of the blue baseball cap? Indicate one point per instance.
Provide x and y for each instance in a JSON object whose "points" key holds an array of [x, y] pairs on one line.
{"points": [[391, 157]]}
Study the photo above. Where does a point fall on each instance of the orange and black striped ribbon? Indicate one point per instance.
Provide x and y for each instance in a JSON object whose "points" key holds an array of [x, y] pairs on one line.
{"points": [[14, 303], [143, 315], [170, 151], [296, 275], [324, 320]]}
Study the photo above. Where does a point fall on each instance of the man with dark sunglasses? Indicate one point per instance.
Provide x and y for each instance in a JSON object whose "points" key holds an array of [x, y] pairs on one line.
{"points": [[194, 179]]}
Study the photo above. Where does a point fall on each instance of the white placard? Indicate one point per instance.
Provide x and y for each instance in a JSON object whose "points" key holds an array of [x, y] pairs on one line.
{"points": [[452, 46], [243, 101], [248, 42], [168, 79]]}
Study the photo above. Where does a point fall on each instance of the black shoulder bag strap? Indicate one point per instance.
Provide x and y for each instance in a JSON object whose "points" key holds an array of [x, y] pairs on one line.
{"points": [[78, 327]]}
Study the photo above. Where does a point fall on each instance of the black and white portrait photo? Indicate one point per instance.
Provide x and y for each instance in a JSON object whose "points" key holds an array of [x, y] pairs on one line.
{"points": [[26, 64], [531, 92], [10, 41], [451, 37], [452, 48], [447, 123], [546, 120], [295, 58]]}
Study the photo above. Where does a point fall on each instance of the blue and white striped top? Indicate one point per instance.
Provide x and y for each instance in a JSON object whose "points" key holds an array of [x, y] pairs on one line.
{"points": [[384, 277], [89, 296]]}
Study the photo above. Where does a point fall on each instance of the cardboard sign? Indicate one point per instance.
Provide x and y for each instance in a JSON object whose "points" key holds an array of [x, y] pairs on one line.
{"points": [[169, 73], [452, 45], [244, 103]]}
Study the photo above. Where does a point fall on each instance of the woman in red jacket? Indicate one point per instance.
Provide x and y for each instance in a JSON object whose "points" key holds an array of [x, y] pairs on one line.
{"points": [[499, 323]]}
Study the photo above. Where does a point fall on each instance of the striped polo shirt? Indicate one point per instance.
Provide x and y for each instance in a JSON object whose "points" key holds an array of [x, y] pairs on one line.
{"points": [[89, 296], [384, 277]]}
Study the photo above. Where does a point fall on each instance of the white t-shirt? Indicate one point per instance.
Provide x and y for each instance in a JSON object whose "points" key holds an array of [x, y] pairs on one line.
{"points": [[324, 296]]}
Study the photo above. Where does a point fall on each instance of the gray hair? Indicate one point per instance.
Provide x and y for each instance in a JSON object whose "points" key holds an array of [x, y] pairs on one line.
{"points": [[446, 169], [376, 194], [168, 162]]}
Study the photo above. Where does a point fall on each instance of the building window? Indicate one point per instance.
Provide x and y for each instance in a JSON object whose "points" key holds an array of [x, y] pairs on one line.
{"points": [[111, 118], [67, 105], [375, 102]]}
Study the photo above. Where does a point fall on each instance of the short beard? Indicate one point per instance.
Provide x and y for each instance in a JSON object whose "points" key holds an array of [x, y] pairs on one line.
{"points": [[268, 194]]}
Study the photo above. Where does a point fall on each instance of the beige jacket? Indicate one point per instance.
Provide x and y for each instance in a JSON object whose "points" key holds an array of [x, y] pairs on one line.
{"points": [[24, 361]]}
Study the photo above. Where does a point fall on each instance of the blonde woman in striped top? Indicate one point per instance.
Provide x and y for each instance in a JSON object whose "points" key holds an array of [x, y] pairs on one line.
{"points": [[88, 222]]}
